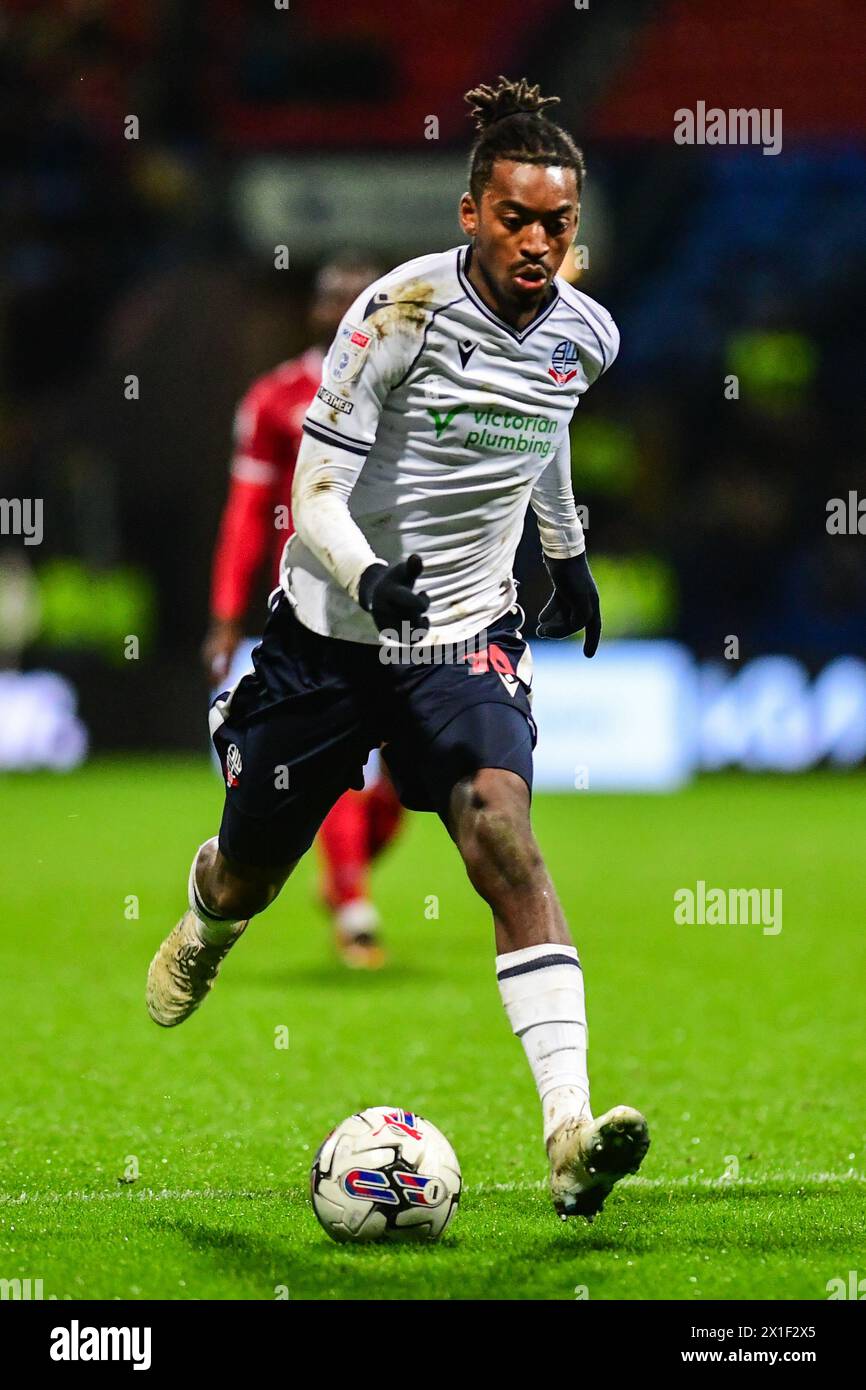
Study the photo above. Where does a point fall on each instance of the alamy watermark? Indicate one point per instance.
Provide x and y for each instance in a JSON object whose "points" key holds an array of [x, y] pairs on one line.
{"points": [[26, 1291], [846, 516], [722, 907], [77, 1343], [406, 647], [22, 516], [854, 1287], [736, 126]]}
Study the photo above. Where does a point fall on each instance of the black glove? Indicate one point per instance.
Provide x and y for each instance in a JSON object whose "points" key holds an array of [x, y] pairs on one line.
{"points": [[387, 591], [573, 603]]}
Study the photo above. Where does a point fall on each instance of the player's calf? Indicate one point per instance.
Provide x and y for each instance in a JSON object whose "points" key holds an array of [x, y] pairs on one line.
{"points": [[541, 985], [489, 821], [224, 890], [222, 898], [539, 974]]}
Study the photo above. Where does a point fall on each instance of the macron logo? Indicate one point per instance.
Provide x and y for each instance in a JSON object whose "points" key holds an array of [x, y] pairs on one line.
{"points": [[77, 1343]]}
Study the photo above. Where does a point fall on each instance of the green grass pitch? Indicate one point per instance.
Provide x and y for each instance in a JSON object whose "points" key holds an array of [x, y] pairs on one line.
{"points": [[745, 1050]]}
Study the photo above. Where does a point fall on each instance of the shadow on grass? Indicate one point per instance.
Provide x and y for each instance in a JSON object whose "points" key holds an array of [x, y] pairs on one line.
{"points": [[292, 1251], [269, 1261], [330, 975], [797, 1219]]}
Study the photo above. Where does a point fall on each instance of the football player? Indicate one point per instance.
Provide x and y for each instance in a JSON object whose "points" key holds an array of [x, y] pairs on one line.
{"points": [[442, 414]]}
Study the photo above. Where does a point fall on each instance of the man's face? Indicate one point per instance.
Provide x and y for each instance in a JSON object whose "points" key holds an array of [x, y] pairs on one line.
{"points": [[522, 227], [336, 290]]}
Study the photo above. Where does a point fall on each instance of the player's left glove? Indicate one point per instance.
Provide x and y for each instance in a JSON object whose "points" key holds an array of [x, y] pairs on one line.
{"points": [[574, 603]]}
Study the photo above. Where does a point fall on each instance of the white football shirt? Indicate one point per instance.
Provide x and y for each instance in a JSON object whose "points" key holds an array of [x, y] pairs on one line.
{"points": [[436, 425]]}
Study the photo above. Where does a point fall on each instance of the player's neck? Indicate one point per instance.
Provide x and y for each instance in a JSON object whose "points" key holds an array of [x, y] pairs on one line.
{"points": [[514, 315]]}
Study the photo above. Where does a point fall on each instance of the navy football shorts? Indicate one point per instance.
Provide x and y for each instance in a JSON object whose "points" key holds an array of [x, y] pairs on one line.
{"points": [[295, 734]]}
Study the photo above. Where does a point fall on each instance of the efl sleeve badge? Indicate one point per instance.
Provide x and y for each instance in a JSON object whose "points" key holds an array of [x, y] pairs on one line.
{"points": [[348, 353]]}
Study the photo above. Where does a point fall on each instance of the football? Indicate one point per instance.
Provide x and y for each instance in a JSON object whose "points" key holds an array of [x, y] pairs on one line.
{"points": [[385, 1174]]}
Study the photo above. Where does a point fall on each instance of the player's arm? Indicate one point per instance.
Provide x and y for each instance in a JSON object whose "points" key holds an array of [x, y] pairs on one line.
{"points": [[339, 432], [574, 603], [245, 531]]}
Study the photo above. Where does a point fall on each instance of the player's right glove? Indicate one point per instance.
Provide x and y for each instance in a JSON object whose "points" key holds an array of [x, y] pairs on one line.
{"points": [[388, 592], [574, 603]]}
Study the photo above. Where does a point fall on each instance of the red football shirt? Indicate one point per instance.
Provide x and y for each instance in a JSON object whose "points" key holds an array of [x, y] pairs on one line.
{"points": [[268, 428]]}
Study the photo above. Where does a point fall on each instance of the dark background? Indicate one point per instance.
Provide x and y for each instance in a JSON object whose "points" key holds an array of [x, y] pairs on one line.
{"points": [[707, 515]]}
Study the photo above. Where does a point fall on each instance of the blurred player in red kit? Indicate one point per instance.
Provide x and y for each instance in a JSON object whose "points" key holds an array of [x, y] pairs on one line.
{"points": [[256, 523]]}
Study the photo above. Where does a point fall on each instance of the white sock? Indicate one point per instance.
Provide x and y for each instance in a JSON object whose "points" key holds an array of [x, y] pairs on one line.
{"points": [[542, 991], [211, 930], [357, 918]]}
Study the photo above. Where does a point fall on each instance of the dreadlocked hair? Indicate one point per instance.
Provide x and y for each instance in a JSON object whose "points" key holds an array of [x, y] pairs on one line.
{"points": [[511, 124]]}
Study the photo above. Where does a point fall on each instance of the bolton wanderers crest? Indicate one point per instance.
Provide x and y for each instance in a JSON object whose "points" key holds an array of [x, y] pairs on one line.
{"points": [[564, 362]]}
